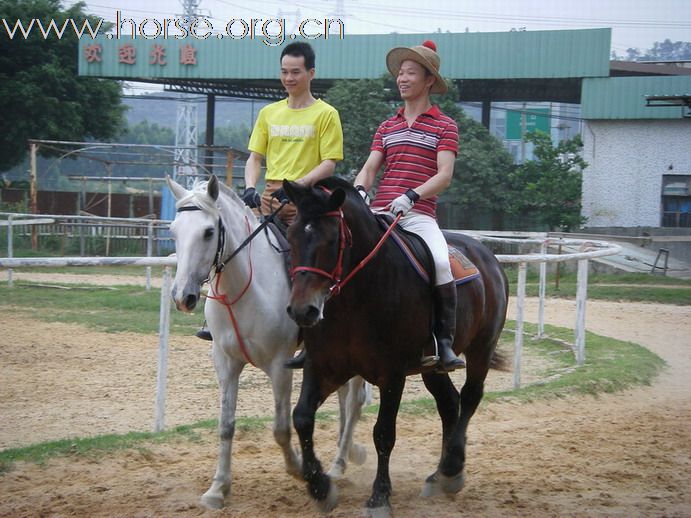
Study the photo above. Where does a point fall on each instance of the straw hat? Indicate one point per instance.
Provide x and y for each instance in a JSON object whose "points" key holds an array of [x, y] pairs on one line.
{"points": [[426, 55]]}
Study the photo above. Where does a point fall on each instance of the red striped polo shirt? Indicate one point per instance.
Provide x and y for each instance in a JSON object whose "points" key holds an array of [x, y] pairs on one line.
{"points": [[410, 154]]}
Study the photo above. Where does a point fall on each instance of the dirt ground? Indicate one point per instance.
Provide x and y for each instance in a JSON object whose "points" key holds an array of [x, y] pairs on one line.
{"points": [[624, 454]]}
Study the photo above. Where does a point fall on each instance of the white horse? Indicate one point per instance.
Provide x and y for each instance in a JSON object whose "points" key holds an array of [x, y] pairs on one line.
{"points": [[245, 312]]}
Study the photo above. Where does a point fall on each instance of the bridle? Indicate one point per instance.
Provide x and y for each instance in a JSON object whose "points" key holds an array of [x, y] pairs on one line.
{"points": [[219, 263], [345, 240]]}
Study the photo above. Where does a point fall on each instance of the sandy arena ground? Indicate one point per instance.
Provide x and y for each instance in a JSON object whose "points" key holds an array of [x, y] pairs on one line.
{"points": [[624, 454]]}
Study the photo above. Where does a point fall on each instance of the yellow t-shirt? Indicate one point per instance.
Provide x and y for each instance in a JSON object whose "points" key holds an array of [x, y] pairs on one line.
{"points": [[296, 141]]}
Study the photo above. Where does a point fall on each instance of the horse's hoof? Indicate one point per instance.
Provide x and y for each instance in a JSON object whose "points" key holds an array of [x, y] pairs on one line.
{"points": [[357, 454], [438, 484], [377, 512], [212, 501], [329, 503]]}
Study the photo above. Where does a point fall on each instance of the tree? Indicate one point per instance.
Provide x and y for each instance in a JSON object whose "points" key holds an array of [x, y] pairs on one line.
{"points": [[661, 51], [550, 185], [482, 167], [362, 106], [41, 95]]}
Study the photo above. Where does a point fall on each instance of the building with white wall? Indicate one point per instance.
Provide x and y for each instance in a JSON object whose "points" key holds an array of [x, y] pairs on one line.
{"points": [[638, 150]]}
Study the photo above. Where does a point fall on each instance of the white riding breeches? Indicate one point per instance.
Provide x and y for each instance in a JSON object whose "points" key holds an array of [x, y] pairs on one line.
{"points": [[428, 229]]}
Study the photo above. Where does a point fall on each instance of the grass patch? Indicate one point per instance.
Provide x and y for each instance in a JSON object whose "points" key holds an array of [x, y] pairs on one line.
{"points": [[611, 365], [114, 310], [633, 287]]}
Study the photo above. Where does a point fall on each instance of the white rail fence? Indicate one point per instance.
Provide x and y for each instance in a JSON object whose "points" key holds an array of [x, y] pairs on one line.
{"points": [[589, 250]]}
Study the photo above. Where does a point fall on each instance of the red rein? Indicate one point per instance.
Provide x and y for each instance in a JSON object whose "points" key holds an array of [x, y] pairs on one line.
{"points": [[345, 239], [222, 298]]}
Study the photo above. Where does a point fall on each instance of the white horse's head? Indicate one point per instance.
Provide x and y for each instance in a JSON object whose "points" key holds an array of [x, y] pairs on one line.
{"points": [[196, 232]]}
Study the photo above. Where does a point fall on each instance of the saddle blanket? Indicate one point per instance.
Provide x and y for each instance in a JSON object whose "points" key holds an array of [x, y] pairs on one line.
{"points": [[462, 268]]}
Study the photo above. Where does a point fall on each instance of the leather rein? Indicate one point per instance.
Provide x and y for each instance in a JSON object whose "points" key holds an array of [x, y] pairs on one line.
{"points": [[345, 240], [219, 265]]}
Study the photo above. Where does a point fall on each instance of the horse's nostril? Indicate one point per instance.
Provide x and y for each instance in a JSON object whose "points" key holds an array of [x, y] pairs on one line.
{"points": [[190, 301], [312, 314]]}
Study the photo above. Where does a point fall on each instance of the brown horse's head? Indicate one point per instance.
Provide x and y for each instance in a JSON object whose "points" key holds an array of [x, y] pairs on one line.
{"points": [[319, 241]]}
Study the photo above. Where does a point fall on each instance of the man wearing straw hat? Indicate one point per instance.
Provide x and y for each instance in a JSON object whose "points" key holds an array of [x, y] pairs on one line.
{"points": [[417, 147]]}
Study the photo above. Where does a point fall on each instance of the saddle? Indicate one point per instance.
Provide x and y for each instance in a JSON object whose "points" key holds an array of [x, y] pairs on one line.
{"points": [[420, 257]]}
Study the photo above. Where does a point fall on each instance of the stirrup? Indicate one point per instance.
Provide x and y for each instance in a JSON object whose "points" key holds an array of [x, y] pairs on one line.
{"points": [[433, 359], [429, 361]]}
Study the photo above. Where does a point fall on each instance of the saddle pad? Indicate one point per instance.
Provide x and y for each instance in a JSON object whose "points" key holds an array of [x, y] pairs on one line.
{"points": [[462, 268], [417, 252]]}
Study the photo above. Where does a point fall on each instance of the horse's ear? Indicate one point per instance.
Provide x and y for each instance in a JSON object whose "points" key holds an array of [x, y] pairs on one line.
{"points": [[336, 199], [177, 189], [212, 187], [294, 191]]}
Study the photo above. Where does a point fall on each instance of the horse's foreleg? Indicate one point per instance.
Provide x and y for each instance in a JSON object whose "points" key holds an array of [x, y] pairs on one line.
{"points": [[319, 485], [228, 373], [351, 398], [384, 440], [281, 382]]}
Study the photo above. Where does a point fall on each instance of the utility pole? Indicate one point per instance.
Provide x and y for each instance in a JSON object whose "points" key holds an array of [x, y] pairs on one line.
{"points": [[186, 134]]}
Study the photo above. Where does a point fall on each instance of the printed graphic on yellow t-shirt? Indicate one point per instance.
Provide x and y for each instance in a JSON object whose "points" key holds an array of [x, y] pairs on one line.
{"points": [[296, 141]]}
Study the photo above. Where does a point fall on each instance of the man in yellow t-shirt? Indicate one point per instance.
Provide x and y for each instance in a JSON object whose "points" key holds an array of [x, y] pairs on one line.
{"points": [[300, 137]]}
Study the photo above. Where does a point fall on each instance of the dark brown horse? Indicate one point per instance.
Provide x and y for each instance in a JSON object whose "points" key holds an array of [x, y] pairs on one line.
{"points": [[376, 324]]}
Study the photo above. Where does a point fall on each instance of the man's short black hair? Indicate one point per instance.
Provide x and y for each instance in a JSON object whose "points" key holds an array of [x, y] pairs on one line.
{"points": [[300, 48]]}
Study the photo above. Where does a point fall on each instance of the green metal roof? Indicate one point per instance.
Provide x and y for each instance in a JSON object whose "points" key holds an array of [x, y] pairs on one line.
{"points": [[506, 55], [625, 97]]}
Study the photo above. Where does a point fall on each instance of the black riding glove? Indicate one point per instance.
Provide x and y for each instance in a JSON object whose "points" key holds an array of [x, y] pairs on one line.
{"points": [[251, 198], [280, 195]]}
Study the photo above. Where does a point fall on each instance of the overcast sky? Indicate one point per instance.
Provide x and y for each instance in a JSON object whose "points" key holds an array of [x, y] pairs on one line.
{"points": [[634, 23]]}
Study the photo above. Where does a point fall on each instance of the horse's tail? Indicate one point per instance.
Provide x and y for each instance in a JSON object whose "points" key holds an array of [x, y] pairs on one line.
{"points": [[499, 362]]}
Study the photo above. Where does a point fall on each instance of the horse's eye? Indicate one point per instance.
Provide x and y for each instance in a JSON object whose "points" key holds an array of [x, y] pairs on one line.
{"points": [[208, 233]]}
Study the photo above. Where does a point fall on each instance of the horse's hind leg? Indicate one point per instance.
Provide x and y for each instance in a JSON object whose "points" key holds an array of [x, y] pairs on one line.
{"points": [[449, 475], [447, 399], [281, 382], [228, 373], [351, 398]]}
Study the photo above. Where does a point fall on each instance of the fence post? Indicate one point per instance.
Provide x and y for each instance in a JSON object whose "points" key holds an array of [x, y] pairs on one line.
{"points": [[518, 343], [541, 293], [10, 249], [581, 293], [149, 246], [163, 332]]}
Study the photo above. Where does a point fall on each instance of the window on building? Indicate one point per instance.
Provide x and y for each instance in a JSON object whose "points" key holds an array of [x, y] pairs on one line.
{"points": [[676, 201]]}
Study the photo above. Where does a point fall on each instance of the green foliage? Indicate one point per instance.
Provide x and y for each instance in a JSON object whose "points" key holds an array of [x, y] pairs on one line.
{"points": [[362, 106], [550, 185], [237, 137], [482, 166], [40, 91], [147, 133], [666, 50]]}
